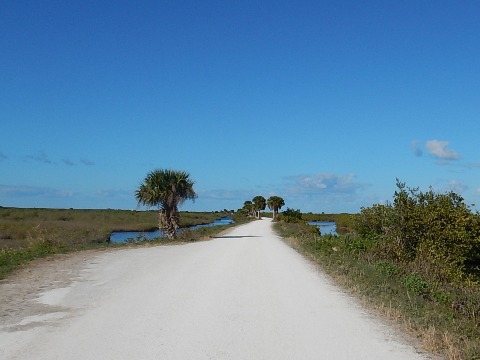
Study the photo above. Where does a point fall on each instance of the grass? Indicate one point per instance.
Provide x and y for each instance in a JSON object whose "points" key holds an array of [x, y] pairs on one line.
{"points": [[19, 227], [27, 234], [444, 317]]}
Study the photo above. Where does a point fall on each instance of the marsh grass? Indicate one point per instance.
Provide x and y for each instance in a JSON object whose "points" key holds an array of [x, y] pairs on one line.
{"points": [[19, 227], [444, 317], [27, 234]]}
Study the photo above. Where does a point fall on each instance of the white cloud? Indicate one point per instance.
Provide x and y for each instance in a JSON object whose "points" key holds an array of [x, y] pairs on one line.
{"points": [[457, 186], [323, 192], [438, 149], [322, 183]]}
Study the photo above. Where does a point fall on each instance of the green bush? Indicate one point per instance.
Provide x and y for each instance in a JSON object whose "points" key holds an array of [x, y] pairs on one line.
{"points": [[291, 216], [387, 268], [416, 284], [438, 232]]}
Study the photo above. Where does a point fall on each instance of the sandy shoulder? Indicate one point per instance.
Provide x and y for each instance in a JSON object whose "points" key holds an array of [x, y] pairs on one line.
{"points": [[21, 290]]}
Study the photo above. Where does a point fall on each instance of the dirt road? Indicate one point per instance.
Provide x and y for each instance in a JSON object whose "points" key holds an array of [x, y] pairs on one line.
{"points": [[245, 295]]}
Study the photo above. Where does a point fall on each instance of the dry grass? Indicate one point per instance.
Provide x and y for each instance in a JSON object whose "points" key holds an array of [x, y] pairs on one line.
{"points": [[430, 339], [450, 348]]}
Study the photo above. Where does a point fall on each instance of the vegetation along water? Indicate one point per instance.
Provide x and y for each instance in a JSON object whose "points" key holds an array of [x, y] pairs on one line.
{"points": [[416, 260], [26, 234]]}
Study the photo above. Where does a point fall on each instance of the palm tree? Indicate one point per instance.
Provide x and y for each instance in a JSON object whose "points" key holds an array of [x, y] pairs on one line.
{"points": [[248, 207], [166, 189], [259, 203], [275, 203]]}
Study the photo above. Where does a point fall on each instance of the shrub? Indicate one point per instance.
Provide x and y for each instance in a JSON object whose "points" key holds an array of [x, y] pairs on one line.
{"points": [[291, 215], [437, 231], [386, 268], [356, 244], [416, 284]]}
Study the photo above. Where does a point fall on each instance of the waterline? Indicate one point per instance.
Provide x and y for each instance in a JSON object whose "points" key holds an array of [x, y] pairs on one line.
{"points": [[125, 236]]}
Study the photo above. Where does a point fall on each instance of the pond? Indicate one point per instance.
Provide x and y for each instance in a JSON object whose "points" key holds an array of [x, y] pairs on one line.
{"points": [[326, 227], [124, 236]]}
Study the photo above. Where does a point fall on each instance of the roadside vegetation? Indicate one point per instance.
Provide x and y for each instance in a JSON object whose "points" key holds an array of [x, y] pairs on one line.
{"points": [[417, 261], [27, 234]]}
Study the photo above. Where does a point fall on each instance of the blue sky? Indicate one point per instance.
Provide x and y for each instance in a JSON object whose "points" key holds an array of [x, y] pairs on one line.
{"points": [[324, 103]]}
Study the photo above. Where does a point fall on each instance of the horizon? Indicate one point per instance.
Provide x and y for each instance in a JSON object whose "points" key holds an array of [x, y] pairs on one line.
{"points": [[266, 211], [324, 104]]}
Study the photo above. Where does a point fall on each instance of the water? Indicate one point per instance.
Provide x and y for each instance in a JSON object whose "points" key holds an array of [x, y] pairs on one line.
{"points": [[222, 221], [326, 227], [123, 236]]}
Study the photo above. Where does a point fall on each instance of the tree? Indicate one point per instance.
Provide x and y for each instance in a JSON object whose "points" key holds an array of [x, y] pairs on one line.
{"points": [[166, 189], [259, 203], [248, 208], [275, 203]]}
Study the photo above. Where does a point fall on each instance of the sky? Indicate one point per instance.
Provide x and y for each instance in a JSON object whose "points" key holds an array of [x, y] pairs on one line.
{"points": [[324, 103]]}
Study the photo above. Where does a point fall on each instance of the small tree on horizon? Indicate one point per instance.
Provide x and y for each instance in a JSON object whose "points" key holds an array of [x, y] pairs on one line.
{"points": [[259, 204], [248, 208], [275, 203]]}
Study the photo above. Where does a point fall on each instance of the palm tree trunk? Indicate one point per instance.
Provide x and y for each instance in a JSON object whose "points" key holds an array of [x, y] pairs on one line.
{"points": [[161, 220], [168, 222], [174, 223]]}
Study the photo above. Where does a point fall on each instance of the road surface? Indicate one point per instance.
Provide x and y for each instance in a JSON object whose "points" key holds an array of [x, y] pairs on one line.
{"points": [[244, 295]]}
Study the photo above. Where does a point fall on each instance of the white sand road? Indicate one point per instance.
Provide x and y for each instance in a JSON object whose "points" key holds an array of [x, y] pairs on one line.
{"points": [[245, 295]]}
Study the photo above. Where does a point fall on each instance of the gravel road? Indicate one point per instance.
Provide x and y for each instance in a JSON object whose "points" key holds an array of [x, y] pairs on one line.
{"points": [[244, 295]]}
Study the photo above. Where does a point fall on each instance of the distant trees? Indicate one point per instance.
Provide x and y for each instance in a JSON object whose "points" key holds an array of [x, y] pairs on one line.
{"points": [[248, 208], [166, 189], [259, 204], [275, 203]]}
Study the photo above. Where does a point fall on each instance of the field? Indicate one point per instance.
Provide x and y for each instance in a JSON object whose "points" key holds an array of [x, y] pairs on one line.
{"points": [[19, 227], [26, 234]]}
